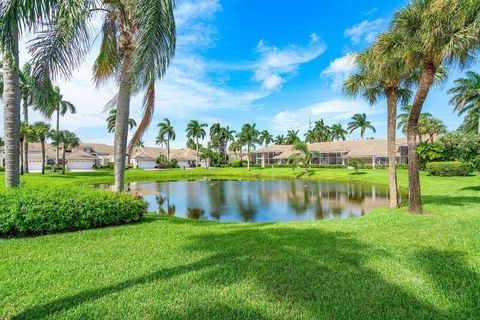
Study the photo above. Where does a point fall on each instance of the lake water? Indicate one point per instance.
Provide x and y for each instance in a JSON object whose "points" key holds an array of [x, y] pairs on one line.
{"points": [[260, 200]]}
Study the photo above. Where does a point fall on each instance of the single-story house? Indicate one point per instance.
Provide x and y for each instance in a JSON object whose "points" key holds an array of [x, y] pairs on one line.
{"points": [[79, 160]]}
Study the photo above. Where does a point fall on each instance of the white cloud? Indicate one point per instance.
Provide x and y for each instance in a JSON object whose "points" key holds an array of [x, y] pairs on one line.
{"points": [[331, 111], [365, 31], [339, 69], [275, 65]]}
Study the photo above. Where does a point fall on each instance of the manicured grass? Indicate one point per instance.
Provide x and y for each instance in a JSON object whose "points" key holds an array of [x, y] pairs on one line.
{"points": [[387, 264]]}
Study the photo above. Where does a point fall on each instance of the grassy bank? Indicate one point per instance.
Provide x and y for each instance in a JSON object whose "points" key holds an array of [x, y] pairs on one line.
{"points": [[387, 264]]}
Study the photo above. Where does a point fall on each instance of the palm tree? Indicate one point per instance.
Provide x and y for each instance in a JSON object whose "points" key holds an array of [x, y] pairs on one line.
{"points": [[279, 140], [161, 141], [471, 122], [68, 140], [306, 154], [226, 135], [466, 95], [26, 135], [166, 131], [403, 120], [195, 130], [359, 121], [42, 131], [434, 127], [310, 136], [139, 143], [112, 118], [338, 132], [215, 131], [265, 137], [249, 136], [206, 154], [427, 34], [292, 137], [321, 129]]}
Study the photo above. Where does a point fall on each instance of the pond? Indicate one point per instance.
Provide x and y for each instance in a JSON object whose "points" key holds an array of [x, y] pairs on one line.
{"points": [[259, 200]]}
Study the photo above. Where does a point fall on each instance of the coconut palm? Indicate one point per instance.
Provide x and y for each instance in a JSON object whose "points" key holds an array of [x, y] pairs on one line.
{"points": [[429, 33], [236, 146], [403, 121], [279, 139], [265, 137], [360, 122], [466, 95], [112, 118], [292, 137], [195, 130], [249, 136], [41, 131], [161, 141], [338, 132], [167, 132], [67, 140], [310, 136], [434, 127], [306, 154], [215, 138], [322, 130]]}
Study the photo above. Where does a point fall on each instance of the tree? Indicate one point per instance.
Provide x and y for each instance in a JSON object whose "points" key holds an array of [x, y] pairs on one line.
{"points": [[166, 132], [338, 132], [359, 121], [292, 137], [195, 130], [215, 132], [226, 135], [310, 136], [206, 154], [140, 144], [249, 136], [279, 140], [67, 140], [42, 131], [306, 154], [112, 118], [403, 119], [322, 130], [26, 135], [265, 137], [466, 96], [429, 33], [435, 127]]}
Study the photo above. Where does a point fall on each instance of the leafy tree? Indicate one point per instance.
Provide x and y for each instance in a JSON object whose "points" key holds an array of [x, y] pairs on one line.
{"points": [[166, 132], [206, 154], [338, 132], [466, 96], [65, 140], [226, 136], [112, 118], [249, 136], [42, 131], [215, 136], [306, 156], [359, 121], [236, 146], [434, 127], [265, 137], [195, 130], [356, 163], [292, 137]]}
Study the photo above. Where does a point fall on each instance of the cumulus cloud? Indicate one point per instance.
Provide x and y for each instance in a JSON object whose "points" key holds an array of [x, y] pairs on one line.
{"points": [[365, 31], [339, 69]]}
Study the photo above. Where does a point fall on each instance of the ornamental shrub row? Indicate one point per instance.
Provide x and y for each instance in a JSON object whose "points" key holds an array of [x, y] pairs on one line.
{"points": [[449, 169], [35, 210]]}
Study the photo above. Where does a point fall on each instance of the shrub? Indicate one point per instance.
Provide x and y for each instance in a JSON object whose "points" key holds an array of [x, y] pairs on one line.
{"points": [[448, 169], [34, 210], [2, 169], [356, 163], [237, 163]]}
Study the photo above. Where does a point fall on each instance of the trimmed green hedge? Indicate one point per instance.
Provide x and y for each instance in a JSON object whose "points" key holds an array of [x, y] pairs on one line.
{"points": [[449, 169], [35, 210], [320, 166], [2, 169]]}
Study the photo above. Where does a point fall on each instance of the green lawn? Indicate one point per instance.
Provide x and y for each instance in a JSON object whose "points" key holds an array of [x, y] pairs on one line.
{"points": [[387, 264]]}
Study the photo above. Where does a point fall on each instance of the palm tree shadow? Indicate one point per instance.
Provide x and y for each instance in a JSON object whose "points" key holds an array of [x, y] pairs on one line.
{"points": [[326, 274]]}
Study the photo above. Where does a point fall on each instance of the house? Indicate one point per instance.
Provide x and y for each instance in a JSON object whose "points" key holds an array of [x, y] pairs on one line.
{"points": [[80, 160]]}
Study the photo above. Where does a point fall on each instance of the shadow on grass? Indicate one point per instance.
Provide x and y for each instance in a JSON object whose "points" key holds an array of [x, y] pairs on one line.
{"points": [[360, 173], [472, 188], [458, 201], [324, 274]]}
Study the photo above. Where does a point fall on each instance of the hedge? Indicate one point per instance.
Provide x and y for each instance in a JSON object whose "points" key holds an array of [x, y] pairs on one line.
{"points": [[35, 210], [449, 169], [2, 169]]}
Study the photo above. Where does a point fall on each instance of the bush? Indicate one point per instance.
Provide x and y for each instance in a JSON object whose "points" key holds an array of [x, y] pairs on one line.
{"points": [[238, 163], [2, 169], [449, 169], [34, 210], [356, 163]]}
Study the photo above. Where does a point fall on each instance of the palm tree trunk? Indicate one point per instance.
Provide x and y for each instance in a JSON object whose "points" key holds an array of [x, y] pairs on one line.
{"points": [[362, 132], [414, 195], [196, 160], [43, 155], [248, 157], [63, 158], [168, 151], [431, 138], [121, 122], [25, 142], [391, 145], [11, 114], [57, 155]]}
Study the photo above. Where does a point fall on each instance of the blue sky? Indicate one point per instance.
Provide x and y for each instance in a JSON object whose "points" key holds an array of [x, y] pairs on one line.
{"points": [[275, 63]]}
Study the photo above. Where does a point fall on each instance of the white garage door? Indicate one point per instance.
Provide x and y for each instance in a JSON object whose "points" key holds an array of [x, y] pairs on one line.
{"points": [[34, 165], [146, 164], [79, 164]]}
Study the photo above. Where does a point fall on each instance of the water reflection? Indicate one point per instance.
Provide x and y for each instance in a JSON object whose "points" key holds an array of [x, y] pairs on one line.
{"points": [[275, 200]]}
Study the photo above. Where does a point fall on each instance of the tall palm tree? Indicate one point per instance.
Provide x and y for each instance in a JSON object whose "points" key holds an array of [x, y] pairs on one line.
{"points": [[321, 129], [434, 127], [249, 136], [26, 135], [310, 136], [403, 121], [338, 132], [161, 141], [195, 130], [292, 137], [215, 132], [429, 33], [42, 131], [226, 136], [359, 121], [166, 131], [279, 139], [306, 154], [265, 137], [466, 95], [112, 118]]}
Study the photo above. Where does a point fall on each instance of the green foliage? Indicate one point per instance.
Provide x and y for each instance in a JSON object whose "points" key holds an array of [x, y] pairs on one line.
{"points": [[428, 152], [45, 209], [356, 163], [461, 146], [238, 163], [450, 169], [317, 166], [2, 169], [163, 163]]}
